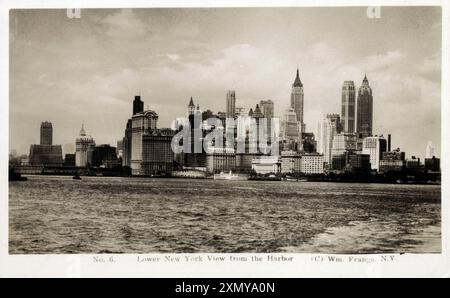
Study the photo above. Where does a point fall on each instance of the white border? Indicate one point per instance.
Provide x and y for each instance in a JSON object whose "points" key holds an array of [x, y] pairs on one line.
{"points": [[408, 265]]}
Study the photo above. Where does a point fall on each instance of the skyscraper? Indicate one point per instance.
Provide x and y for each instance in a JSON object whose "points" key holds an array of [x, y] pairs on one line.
{"points": [[138, 105], [374, 146], [46, 133], [326, 131], [231, 104], [348, 106], [85, 146], [141, 124], [297, 100], [364, 107]]}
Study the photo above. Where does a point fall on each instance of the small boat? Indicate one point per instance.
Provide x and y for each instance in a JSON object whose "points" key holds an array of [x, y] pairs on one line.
{"points": [[76, 177]]}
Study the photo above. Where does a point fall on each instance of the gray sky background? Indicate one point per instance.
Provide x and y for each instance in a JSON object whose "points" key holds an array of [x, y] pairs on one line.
{"points": [[87, 70]]}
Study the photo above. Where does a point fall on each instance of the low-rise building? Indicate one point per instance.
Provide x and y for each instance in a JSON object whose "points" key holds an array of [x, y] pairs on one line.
{"points": [[311, 164], [221, 160], [266, 165], [290, 162]]}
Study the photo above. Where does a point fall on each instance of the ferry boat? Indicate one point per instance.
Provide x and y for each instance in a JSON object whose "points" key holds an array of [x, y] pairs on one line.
{"points": [[231, 176]]}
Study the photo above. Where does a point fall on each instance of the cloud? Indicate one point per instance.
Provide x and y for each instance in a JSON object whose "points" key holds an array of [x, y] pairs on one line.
{"points": [[124, 24]]}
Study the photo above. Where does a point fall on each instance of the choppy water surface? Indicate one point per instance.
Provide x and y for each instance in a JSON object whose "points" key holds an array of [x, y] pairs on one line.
{"points": [[131, 215]]}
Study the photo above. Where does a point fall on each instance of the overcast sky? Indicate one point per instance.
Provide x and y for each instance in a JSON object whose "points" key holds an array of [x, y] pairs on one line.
{"points": [[87, 70]]}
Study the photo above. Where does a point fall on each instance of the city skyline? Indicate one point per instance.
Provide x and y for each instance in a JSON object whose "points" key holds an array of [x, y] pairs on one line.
{"points": [[106, 117]]}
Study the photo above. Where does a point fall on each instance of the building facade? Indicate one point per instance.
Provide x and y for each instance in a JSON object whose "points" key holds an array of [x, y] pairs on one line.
{"points": [[311, 164], [374, 146], [290, 162], [84, 146], [348, 107], [141, 123], [343, 143], [266, 165], [157, 154], [221, 160]]}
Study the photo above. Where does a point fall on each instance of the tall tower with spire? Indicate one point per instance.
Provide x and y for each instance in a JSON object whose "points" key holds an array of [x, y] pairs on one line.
{"points": [[191, 107], [364, 114], [297, 100]]}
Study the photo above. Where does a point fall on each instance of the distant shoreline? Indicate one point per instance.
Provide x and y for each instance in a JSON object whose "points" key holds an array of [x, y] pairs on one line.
{"points": [[301, 180]]}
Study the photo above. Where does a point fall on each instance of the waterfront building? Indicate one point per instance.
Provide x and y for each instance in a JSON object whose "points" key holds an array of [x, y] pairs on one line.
{"points": [[413, 163], [311, 164], [364, 115], [339, 161], [297, 101], [266, 165], [85, 146], [359, 162], [221, 160], [46, 133], [104, 156], [141, 123], [348, 107], [290, 162], [45, 154], [231, 104], [374, 146], [391, 165], [157, 154]]}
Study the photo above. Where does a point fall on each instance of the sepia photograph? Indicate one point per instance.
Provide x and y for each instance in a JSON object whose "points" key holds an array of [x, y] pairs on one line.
{"points": [[225, 130]]}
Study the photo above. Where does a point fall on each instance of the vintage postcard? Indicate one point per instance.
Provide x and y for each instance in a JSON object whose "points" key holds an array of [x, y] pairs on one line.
{"points": [[188, 137]]}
